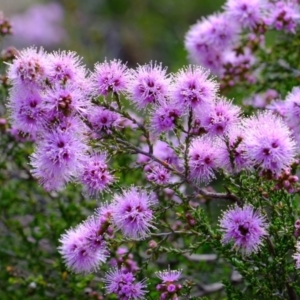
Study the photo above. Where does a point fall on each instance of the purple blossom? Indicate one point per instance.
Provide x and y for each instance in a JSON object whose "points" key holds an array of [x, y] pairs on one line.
{"points": [[148, 84], [268, 143], [157, 174], [72, 125], [247, 14], [164, 152], [83, 248], [203, 159], [245, 227], [219, 117], [27, 110], [124, 285], [132, 213], [20, 136], [284, 15], [292, 107], [95, 175], [193, 87], [66, 100], [66, 67], [219, 31], [200, 51], [278, 107], [169, 275], [103, 119], [208, 39], [164, 116], [31, 66], [110, 76], [58, 158]]}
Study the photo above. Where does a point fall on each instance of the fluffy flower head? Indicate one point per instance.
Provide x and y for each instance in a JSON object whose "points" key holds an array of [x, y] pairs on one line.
{"points": [[169, 275], [245, 227], [246, 13], [193, 87], [27, 111], [110, 76], [203, 159], [65, 66], [219, 117], [164, 116], [269, 143], [233, 145], [58, 158], [30, 67], [292, 107], [148, 84], [82, 248], [132, 213], [122, 283], [284, 15], [95, 175]]}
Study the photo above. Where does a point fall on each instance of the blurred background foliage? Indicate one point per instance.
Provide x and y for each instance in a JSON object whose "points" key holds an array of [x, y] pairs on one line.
{"points": [[135, 31], [31, 220]]}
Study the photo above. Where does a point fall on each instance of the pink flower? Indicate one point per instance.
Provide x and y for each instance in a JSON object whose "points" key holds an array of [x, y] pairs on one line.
{"points": [[148, 84], [219, 117], [244, 227], [66, 67], [193, 88], [169, 275], [110, 76], [268, 143], [124, 285], [83, 248], [132, 213], [164, 116], [31, 66], [95, 175], [247, 13], [203, 159]]}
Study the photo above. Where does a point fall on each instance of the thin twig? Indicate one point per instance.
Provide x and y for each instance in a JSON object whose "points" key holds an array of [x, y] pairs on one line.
{"points": [[202, 192]]}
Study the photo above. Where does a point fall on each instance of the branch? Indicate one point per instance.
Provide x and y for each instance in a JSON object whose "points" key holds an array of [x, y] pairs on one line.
{"points": [[202, 192]]}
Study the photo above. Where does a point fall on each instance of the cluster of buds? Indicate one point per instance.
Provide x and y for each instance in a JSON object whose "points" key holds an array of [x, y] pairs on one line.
{"points": [[297, 228], [5, 26], [4, 81], [287, 181], [3, 124], [239, 71], [190, 220], [9, 54], [124, 260], [169, 288]]}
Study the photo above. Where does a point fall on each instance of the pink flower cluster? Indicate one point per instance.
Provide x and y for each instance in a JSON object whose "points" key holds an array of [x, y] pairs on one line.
{"points": [[123, 284], [218, 42], [85, 247], [169, 288], [49, 100], [289, 109], [262, 142]]}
